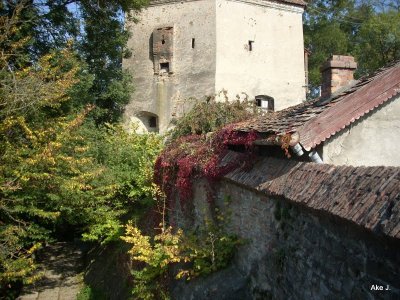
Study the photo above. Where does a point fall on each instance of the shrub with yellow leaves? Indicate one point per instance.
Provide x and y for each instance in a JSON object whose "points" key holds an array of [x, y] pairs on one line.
{"points": [[199, 253], [157, 255], [59, 173]]}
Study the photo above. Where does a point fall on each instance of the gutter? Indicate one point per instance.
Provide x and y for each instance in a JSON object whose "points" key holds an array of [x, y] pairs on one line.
{"points": [[289, 140]]}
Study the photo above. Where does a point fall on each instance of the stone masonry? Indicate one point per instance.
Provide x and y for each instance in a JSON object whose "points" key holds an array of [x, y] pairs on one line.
{"points": [[304, 247]]}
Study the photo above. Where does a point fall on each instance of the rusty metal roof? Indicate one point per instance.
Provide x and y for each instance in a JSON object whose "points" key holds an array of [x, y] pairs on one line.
{"points": [[367, 196], [318, 120]]}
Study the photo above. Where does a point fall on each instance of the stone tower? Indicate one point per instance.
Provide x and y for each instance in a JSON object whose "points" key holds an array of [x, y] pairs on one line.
{"points": [[197, 48]]}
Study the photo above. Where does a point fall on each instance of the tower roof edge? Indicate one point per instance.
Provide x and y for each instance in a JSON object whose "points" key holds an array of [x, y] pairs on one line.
{"points": [[300, 3]]}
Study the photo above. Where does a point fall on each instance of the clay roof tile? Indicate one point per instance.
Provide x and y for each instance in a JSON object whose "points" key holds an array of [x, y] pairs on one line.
{"points": [[343, 191], [316, 121]]}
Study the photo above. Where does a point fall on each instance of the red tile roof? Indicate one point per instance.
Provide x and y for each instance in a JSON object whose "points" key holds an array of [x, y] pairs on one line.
{"points": [[318, 120], [367, 196]]}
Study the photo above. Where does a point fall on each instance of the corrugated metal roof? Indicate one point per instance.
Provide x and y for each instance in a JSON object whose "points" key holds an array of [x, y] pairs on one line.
{"points": [[367, 196], [318, 120]]}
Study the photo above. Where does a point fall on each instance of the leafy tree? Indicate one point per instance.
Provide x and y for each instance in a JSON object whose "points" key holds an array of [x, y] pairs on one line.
{"points": [[58, 170], [28, 150], [367, 30], [96, 30], [379, 41]]}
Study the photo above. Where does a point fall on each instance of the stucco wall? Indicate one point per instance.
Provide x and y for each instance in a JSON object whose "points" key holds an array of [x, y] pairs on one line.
{"points": [[291, 252], [275, 66], [193, 69], [220, 59], [371, 141]]}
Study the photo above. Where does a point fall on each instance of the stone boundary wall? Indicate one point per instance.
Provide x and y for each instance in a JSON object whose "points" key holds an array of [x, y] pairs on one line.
{"points": [[366, 196], [299, 242]]}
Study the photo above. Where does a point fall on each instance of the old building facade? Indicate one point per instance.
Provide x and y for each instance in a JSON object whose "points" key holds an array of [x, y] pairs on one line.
{"points": [[194, 49], [325, 230], [355, 123]]}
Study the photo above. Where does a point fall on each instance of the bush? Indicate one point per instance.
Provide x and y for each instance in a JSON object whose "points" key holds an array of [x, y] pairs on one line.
{"points": [[209, 116]]}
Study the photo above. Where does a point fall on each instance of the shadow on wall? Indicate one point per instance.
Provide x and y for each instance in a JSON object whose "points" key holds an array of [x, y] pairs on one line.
{"points": [[151, 53]]}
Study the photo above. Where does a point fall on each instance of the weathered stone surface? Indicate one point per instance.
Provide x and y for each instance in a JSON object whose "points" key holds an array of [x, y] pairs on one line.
{"points": [[228, 284], [297, 253]]}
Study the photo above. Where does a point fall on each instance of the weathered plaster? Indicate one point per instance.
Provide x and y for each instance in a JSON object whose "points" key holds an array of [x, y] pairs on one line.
{"points": [[220, 59], [193, 69], [275, 66], [371, 141]]}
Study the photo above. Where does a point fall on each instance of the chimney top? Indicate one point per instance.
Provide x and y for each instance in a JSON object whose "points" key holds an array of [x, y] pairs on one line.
{"points": [[340, 62], [337, 72]]}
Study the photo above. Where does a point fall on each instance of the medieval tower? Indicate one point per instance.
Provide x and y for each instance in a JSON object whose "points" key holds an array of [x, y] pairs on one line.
{"points": [[197, 48]]}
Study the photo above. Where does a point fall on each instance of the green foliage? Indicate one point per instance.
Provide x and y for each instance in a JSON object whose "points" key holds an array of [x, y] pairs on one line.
{"points": [[128, 161], [208, 116], [58, 171], [379, 41], [329, 39], [367, 30], [200, 253], [96, 30], [30, 150], [158, 254], [209, 250], [88, 293], [59, 177]]}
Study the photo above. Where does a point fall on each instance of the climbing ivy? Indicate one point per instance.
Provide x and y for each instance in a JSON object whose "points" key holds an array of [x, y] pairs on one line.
{"points": [[197, 156]]}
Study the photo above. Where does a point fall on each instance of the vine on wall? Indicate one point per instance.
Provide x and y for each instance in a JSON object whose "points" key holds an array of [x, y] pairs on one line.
{"points": [[199, 156]]}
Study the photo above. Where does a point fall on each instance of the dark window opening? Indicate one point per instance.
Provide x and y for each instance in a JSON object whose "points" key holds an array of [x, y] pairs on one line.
{"points": [[152, 122], [163, 42], [164, 67], [251, 45], [193, 43], [265, 102]]}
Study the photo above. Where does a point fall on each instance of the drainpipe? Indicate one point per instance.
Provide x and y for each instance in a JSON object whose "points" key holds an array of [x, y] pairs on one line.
{"points": [[314, 156], [297, 149], [277, 140], [294, 145]]}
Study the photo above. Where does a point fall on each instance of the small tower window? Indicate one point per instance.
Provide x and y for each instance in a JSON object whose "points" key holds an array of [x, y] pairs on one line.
{"points": [[265, 102], [193, 43], [153, 122], [164, 67], [251, 45], [162, 40]]}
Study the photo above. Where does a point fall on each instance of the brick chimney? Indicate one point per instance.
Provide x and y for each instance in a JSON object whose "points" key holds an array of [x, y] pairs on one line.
{"points": [[337, 72]]}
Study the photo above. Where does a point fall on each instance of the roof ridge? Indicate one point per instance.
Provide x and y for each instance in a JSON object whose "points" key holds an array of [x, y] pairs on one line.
{"points": [[351, 108], [320, 119]]}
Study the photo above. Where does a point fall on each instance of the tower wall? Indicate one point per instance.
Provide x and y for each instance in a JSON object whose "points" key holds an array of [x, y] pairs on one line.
{"points": [[196, 48], [274, 65], [166, 74]]}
